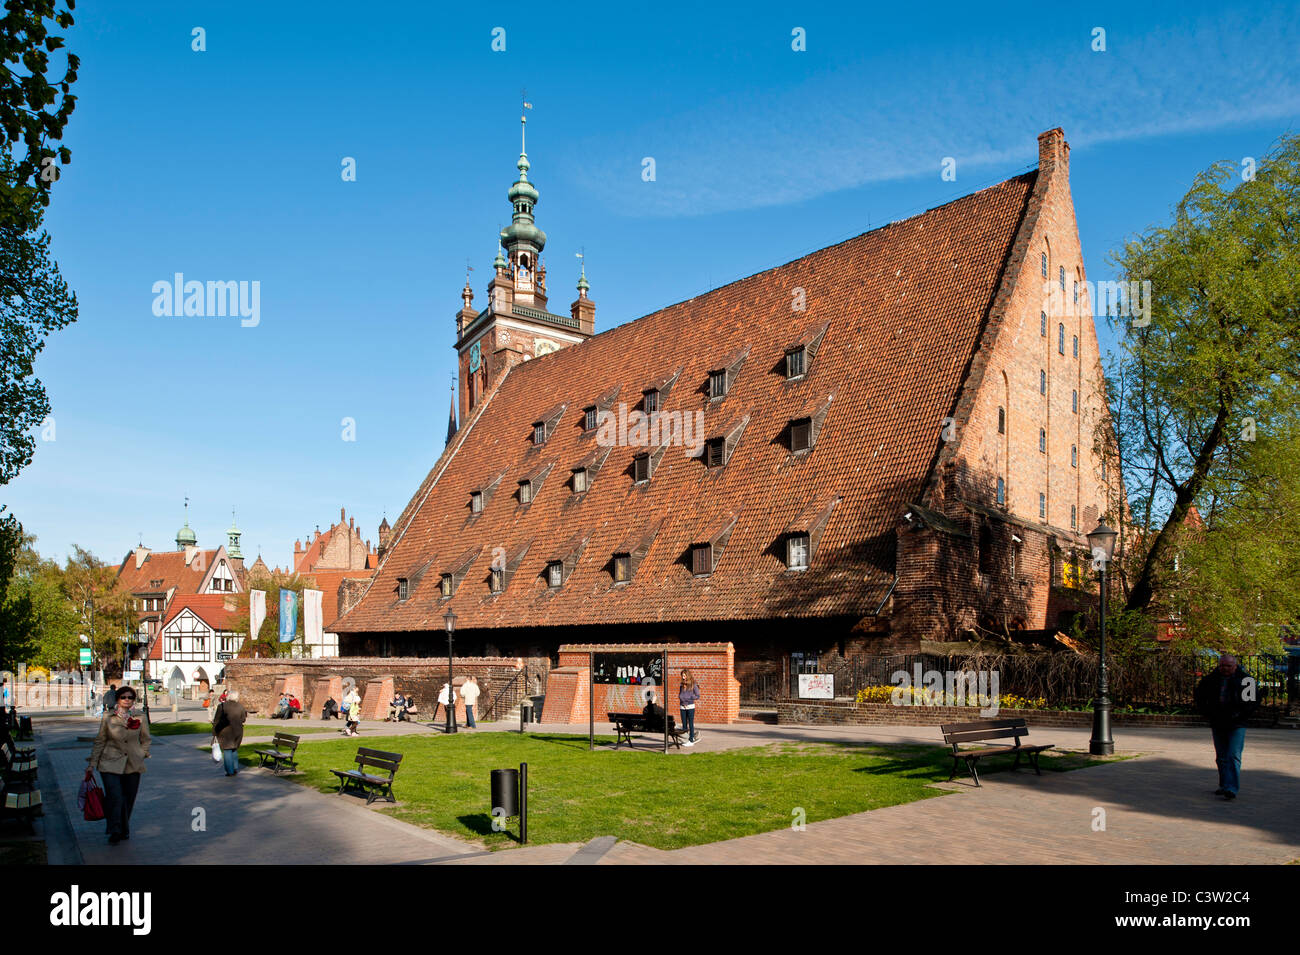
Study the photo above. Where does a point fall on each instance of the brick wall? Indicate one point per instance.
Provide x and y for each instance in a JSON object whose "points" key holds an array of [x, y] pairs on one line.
{"points": [[712, 665], [421, 677], [846, 712]]}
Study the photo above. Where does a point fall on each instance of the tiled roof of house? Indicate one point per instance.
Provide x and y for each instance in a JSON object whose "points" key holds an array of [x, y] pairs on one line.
{"points": [[218, 611], [163, 570], [903, 307]]}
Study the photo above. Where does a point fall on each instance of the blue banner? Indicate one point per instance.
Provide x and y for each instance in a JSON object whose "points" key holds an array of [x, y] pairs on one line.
{"points": [[288, 615]]}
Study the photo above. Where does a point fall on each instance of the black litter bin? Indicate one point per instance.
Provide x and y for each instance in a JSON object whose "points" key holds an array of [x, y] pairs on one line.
{"points": [[526, 711], [505, 792]]}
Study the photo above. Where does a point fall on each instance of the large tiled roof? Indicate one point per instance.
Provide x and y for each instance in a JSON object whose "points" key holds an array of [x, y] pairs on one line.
{"points": [[903, 307], [169, 567]]}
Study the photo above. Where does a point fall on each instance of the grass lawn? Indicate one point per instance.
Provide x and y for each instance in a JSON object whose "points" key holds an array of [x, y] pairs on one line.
{"points": [[186, 727], [643, 796]]}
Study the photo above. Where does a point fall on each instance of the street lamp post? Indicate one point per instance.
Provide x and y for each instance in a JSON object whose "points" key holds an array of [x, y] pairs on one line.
{"points": [[1102, 542], [450, 619]]}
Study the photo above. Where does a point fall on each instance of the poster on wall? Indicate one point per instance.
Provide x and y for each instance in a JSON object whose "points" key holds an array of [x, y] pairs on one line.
{"points": [[816, 686], [628, 668]]}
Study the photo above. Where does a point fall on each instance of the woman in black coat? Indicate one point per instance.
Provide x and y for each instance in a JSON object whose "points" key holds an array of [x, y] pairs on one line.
{"points": [[228, 730]]}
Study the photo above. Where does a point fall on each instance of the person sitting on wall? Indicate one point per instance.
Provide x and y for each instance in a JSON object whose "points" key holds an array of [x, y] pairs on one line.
{"points": [[411, 709], [653, 714], [396, 708], [295, 707], [330, 711], [282, 708]]}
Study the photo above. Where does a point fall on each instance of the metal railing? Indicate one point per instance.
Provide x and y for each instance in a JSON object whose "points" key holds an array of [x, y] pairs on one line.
{"points": [[507, 697]]}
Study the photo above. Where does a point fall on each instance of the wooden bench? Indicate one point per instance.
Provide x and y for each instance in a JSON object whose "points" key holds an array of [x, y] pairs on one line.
{"points": [[283, 748], [625, 724], [16, 765], [20, 800], [373, 784], [979, 731]]}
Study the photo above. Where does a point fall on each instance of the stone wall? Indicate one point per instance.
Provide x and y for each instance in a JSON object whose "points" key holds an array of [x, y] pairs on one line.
{"points": [[422, 677]]}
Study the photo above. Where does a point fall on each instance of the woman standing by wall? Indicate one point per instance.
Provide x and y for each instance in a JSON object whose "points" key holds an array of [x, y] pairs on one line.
{"points": [[119, 753], [687, 697]]}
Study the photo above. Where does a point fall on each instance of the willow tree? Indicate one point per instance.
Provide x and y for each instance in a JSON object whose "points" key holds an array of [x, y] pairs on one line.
{"points": [[1214, 362]]}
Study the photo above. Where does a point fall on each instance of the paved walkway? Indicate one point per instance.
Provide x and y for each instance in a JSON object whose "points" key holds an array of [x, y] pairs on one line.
{"points": [[1158, 808]]}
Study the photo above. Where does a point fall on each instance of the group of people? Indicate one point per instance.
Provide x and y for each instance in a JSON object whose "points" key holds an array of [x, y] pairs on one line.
{"points": [[402, 708], [287, 708]]}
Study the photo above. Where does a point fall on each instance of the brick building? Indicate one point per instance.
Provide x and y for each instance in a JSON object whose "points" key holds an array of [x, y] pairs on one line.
{"points": [[887, 440]]}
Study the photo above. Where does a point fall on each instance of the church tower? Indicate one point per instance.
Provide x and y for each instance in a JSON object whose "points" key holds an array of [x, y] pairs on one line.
{"points": [[516, 325]]}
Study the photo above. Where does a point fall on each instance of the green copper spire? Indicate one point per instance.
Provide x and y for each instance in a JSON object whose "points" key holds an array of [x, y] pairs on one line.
{"points": [[232, 538], [522, 234], [185, 537]]}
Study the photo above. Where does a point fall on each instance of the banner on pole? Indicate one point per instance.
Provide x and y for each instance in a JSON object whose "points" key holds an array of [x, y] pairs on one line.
{"points": [[312, 620], [288, 616], [256, 612]]}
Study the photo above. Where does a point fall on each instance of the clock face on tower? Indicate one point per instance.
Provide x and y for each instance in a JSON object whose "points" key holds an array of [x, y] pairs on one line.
{"points": [[475, 356], [544, 347]]}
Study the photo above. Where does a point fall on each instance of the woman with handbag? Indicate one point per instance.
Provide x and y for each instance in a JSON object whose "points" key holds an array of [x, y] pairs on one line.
{"points": [[119, 753], [228, 730]]}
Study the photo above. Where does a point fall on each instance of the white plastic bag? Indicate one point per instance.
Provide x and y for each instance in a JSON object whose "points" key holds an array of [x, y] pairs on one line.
{"points": [[216, 751]]}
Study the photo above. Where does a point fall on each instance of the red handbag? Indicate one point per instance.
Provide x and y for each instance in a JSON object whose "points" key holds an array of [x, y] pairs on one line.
{"points": [[90, 798]]}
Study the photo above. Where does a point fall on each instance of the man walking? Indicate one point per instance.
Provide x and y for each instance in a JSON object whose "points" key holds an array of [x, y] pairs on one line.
{"points": [[1227, 698], [469, 693]]}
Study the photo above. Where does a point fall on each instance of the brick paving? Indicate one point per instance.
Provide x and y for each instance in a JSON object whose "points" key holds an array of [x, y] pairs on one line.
{"points": [[1158, 809]]}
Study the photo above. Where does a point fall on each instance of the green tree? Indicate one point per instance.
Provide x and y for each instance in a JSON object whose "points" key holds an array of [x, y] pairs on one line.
{"points": [[15, 609], [35, 105], [34, 302], [105, 611], [1216, 363], [1237, 581]]}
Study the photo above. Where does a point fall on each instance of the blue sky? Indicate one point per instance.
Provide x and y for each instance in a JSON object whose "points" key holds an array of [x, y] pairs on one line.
{"points": [[225, 165]]}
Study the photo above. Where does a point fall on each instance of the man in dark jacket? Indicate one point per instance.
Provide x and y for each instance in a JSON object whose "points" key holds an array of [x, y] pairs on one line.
{"points": [[1227, 698], [228, 728]]}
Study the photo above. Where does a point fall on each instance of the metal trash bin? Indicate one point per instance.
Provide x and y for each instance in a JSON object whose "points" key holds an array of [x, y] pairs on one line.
{"points": [[505, 792], [526, 711]]}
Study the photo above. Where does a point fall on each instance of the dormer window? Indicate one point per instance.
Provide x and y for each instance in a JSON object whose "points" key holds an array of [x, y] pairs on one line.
{"points": [[641, 468], [580, 481], [721, 443], [651, 402], [403, 588], [498, 580], [476, 502], [539, 433], [554, 574], [715, 453], [795, 362], [801, 435], [525, 492], [724, 373], [445, 586], [718, 383], [622, 568], [545, 425], [702, 560], [796, 552]]}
